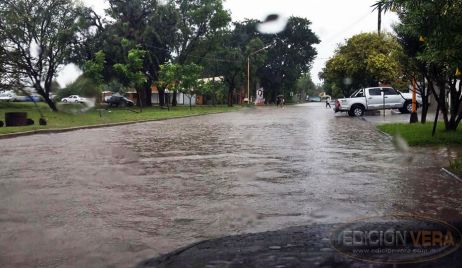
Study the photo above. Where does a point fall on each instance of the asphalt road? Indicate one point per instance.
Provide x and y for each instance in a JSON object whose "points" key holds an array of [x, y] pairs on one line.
{"points": [[116, 196]]}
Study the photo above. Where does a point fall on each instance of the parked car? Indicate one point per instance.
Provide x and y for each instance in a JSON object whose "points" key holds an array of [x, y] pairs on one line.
{"points": [[376, 98], [74, 99], [8, 96], [314, 99], [119, 101], [33, 98]]}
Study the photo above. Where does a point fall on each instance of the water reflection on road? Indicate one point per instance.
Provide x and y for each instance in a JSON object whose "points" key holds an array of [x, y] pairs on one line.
{"points": [[119, 195]]}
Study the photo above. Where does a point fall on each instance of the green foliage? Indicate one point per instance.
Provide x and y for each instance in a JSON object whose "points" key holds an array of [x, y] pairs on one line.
{"points": [[215, 89], [430, 33], [198, 19], [169, 76], [456, 166], [115, 86], [365, 60], [92, 116], [55, 87], [291, 54], [47, 28], [306, 86], [82, 86], [132, 72], [421, 134], [190, 78], [94, 68]]}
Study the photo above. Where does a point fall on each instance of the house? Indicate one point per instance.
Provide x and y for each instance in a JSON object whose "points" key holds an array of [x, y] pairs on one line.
{"points": [[181, 98]]}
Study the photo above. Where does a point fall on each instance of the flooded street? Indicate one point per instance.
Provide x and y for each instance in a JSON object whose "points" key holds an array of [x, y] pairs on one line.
{"points": [[116, 196]]}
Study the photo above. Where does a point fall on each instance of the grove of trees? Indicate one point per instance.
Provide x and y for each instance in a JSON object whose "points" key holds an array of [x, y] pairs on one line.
{"points": [[364, 60], [429, 32], [425, 49], [127, 46]]}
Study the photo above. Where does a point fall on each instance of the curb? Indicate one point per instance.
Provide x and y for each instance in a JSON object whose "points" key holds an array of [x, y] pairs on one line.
{"points": [[63, 130], [386, 135], [451, 174]]}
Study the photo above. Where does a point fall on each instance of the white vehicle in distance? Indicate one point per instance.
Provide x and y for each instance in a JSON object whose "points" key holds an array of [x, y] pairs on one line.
{"points": [[74, 99], [8, 96], [376, 98]]}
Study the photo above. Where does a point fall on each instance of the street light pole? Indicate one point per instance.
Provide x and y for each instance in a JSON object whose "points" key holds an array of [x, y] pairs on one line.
{"points": [[248, 70]]}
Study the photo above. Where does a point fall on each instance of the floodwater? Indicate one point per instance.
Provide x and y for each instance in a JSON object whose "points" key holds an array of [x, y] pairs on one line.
{"points": [[116, 196]]}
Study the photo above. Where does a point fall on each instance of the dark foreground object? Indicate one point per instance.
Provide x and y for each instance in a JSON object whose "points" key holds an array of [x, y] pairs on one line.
{"points": [[293, 247], [16, 119]]}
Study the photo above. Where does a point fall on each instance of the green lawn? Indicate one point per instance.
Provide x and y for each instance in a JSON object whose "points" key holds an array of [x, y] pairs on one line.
{"points": [[421, 134], [74, 115]]}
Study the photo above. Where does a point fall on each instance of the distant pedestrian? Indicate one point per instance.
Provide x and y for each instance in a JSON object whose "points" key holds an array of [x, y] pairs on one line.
{"points": [[327, 104], [278, 102]]}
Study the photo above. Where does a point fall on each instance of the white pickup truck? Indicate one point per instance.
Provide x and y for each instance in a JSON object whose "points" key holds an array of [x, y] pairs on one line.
{"points": [[376, 98]]}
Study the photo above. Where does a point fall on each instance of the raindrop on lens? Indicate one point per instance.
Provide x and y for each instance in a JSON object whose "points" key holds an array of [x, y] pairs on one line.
{"points": [[273, 24]]}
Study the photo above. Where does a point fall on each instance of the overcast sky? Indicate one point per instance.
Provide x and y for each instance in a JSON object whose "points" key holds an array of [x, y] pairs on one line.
{"points": [[333, 22]]}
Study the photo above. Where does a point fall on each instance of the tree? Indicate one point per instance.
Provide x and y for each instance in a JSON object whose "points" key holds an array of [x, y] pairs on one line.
{"points": [[168, 78], [37, 37], [132, 72], [437, 24], [291, 54], [414, 69], [213, 88], [365, 60], [83, 86], [94, 68], [190, 80], [55, 87], [198, 20], [144, 24], [305, 87]]}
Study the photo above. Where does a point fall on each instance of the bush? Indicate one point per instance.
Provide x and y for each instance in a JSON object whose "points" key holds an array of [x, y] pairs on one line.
{"points": [[83, 86]]}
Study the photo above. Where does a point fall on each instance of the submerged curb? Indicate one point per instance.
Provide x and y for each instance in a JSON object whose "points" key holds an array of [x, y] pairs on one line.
{"points": [[451, 174], [63, 130]]}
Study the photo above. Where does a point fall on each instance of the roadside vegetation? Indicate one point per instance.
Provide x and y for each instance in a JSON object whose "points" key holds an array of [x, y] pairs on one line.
{"points": [[126, 48], [455, 166], [421, 134], [76, 115]]}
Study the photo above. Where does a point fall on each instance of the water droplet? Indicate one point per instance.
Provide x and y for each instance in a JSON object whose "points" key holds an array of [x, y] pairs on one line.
{"points": [[273, 24]]}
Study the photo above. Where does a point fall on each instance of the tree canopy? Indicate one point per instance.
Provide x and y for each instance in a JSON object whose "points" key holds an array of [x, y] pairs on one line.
{"points": [[430, 33], [364, 60], [37, 37], [182, 32]]}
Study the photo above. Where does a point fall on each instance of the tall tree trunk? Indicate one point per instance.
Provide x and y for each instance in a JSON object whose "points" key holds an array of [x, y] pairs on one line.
{"points": [[148, 94], [424, 109], [230, 95], [161, 97], [50, 103], [43, 92], [174, 102]]}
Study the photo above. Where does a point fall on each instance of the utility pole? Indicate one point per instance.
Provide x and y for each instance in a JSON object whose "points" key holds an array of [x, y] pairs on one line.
{"points": [[379, 25]]}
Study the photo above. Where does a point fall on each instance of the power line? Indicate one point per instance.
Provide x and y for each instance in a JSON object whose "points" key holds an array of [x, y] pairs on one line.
{"points": [[332, 37], [198, 57]]}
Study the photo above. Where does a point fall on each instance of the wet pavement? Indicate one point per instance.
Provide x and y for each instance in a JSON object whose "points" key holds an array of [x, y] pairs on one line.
{"points": [[394, 116], [116, 196]]}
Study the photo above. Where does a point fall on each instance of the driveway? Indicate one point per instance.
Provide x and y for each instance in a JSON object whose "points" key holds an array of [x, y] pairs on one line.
{"points": [[116, 196]]}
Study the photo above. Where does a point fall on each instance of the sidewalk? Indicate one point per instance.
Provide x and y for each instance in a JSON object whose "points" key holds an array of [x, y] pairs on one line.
{"points": [[392, 116]]}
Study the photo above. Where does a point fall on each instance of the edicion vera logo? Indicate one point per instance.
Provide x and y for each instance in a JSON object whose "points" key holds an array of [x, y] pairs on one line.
{"points": [[396, 239]]}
